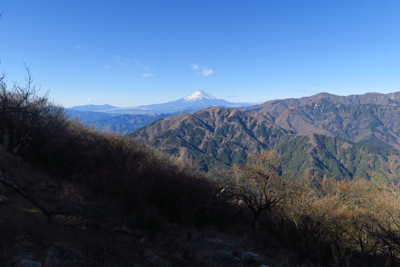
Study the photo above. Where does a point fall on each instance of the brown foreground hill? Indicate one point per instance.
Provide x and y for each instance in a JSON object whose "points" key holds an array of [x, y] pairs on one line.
{"points": [[94, 230]]}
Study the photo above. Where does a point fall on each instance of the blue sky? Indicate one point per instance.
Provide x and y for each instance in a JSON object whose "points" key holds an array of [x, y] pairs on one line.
{"points": [[129, 53]]}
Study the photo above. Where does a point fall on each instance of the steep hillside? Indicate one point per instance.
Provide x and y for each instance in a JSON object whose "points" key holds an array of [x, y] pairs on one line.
{"points": [[216, 137], [328, 156], [364, 123], [219, 137]]}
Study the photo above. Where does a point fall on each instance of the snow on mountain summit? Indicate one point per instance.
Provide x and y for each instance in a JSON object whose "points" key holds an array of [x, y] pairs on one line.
{"points": [[196, 101], [199, 95]]}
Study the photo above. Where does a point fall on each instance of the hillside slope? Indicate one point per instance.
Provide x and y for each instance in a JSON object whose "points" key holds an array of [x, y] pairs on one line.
{"points": [[216, 136], [219, 137], [364, 123], [391, 99]]}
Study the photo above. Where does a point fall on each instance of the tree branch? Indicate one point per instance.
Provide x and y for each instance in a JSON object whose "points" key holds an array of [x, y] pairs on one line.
{"points": [[30, 199]]}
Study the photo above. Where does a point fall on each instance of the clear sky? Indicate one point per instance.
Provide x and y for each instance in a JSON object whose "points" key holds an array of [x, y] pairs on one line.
{"points": [[129, 53]]}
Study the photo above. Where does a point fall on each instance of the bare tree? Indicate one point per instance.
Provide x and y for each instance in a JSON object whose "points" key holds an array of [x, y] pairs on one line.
{"points": [[27, 119], [256, 185]]}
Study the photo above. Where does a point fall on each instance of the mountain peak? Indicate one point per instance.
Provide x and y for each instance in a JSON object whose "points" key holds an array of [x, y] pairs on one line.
{"points": [[92, 107], [199, 95]]}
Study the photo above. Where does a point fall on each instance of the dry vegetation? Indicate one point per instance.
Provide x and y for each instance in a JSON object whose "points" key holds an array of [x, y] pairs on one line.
{"points": [[346, 222], [121, 204]]}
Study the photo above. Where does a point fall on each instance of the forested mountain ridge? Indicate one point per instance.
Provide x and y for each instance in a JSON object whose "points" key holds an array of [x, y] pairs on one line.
{"points": [[220, 137], [391, 99], [362, 123], [336, 157]]}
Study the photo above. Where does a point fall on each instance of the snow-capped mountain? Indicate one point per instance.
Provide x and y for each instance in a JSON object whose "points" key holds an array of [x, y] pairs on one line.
{"points": [[196, 101], [199, 95]]}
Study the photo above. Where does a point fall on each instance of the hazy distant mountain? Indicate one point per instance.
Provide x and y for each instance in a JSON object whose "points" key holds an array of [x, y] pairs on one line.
{"points": [[122, 124], [87, 116], [116, 119], [128, 123], [196, 101], [92, 107]]}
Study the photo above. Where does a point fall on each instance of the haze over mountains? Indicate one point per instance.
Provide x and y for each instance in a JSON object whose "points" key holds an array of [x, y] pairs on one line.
{"points": [[125, 120], [341, 136], [197, 100]]}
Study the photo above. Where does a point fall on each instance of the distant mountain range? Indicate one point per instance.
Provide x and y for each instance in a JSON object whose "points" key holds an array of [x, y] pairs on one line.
{"points": [[196, 101], [125, 120], [93, 107], [341, 136], [122, 124]]}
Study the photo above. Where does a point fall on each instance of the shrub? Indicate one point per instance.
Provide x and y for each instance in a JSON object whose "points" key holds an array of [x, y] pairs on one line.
{"points": [[256, 185]]}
